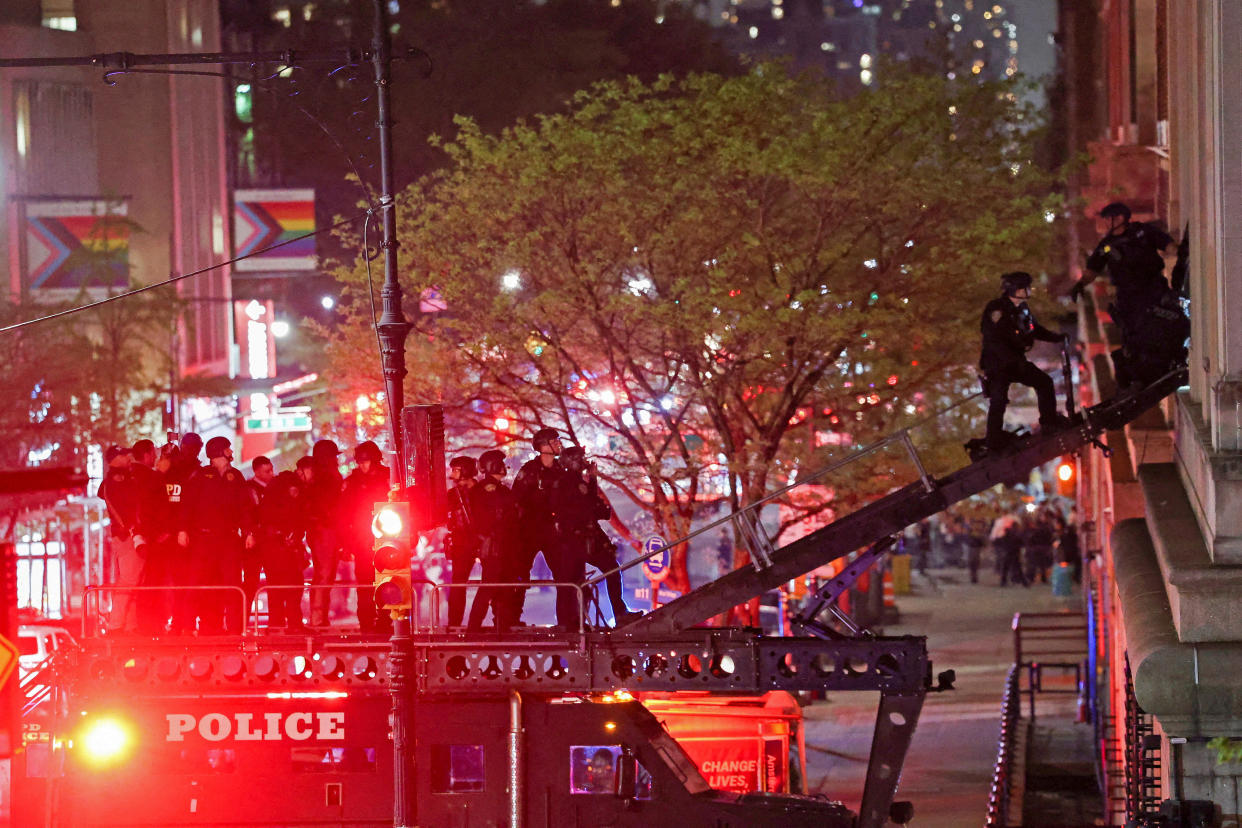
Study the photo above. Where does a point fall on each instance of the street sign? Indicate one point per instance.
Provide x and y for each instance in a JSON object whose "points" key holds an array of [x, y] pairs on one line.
{"points": [[656, 567], [8, 659], [643, 594], [280, 421]]}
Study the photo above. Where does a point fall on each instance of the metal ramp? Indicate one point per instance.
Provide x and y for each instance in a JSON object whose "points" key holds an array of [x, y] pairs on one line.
{"points": [[889, 514]]}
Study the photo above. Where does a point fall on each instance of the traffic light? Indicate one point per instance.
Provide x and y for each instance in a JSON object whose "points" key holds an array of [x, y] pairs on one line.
{"points": [[392, 553], [1066, 474]]}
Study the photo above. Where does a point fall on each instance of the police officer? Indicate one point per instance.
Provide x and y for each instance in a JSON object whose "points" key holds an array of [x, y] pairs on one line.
{"points": [[279, 529], [1153, 325], [262, 474], [367, 484], [532, 488], [217, 511], [323, 526], [1009, 330], [154, 537], [121, 493], [494, 511], [462, 541], [579, 506]]}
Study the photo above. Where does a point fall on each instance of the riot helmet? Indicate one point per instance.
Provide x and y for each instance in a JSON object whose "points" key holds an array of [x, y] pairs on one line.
{"points": [[492, 462], [218, 447], [1114, 209], [1013, 282], [467, 466], [542, 437], [367, 451], [325, 451]]}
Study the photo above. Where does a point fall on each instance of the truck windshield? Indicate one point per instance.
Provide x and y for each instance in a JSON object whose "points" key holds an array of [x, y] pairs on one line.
{"points": [[679, 762]]}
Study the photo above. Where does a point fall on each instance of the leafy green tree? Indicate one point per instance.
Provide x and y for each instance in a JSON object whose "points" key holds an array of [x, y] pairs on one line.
{"points": [[683, 273]]}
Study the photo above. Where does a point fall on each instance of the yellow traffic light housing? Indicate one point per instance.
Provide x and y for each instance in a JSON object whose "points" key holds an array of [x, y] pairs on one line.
{"points": [[1066, 474], [392, 553]]}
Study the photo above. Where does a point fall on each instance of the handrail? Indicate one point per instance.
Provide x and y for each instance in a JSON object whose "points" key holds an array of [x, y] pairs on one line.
{"points": [[110, 588], [1002, 773], [581, 588], [252, 616], [1063, 635]]}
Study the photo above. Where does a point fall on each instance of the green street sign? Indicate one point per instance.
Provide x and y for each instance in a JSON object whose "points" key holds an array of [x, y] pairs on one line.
{"points": [[277, 422]]}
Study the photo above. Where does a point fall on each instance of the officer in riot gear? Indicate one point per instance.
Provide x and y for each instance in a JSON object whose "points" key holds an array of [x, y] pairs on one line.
{"points": [[532, 489], [1153, 325], [579, 506], [1009, 330], [323, 526], [462, 541], [494, 511], [368, 484], [218, 520]]}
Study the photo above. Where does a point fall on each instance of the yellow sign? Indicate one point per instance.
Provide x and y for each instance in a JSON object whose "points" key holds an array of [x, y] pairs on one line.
{"points": [[8, 659]]}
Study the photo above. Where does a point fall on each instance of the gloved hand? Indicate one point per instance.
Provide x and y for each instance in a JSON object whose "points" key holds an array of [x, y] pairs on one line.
{"points": [[1077, 290]]}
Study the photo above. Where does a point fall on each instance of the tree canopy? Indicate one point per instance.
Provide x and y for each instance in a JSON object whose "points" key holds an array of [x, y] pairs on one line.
{"points": [[681, 273]]}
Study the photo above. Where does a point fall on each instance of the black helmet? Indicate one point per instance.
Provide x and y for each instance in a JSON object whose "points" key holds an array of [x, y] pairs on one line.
{"points": [[191, 443], [325, 450], [492, 462], [217, 446], [1013, 282], [367, 451], [466, 464], [541, 437], [1114, 209], [574, 459]]}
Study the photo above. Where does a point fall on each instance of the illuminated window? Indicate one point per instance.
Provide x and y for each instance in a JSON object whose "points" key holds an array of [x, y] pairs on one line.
{"points": [[593, 770], [60, 14], [457, 768]]}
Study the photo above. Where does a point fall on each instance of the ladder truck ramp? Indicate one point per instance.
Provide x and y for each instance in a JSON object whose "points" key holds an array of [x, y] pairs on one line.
{"points": [[895, 511]]}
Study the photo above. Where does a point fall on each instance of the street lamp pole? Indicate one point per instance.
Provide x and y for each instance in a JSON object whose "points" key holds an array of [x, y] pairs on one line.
{"points": [[392, 329]]}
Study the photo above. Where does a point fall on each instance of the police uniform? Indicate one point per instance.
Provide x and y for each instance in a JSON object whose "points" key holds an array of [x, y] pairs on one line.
{"points": [[532, 489], [217, 512], [324, 526], [579, 506], [462, 545], [494, 510], [279, 528], [120, 490], [359, 494], [1009, 331], [1152, 323]]}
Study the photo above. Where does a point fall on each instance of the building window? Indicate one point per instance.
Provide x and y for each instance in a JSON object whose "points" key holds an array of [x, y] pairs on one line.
{"points": [[456, 768], [60, 14]]}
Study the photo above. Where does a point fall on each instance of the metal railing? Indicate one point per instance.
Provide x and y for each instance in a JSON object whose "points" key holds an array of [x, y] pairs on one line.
{"points": [[999, 796], [746, 521], [96, 592], [254, 617], [524, 585], [1049, 640]]}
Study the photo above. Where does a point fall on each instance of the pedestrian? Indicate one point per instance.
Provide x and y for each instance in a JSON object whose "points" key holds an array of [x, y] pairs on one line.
{"points": [[1152, 322], [1009, 330], [494, 511], [724, 553], [1007, 541], [923, 535], [218, 517], [579, 506], [1068, 550], [323, 527], [462, 541], [1038, 541], [121, 493], [532, 489], [368, 484], [975, 539]]}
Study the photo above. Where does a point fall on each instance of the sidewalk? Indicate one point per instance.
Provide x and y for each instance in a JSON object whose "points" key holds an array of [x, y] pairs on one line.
{"points": [[948, 772]]}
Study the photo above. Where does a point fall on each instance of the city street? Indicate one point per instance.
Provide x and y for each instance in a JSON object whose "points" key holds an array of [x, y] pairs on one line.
{"points": [[949, 769]]}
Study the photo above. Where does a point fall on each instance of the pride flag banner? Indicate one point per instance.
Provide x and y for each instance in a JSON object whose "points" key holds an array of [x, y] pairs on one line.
{"points": [[72, 245], [263, 218]]}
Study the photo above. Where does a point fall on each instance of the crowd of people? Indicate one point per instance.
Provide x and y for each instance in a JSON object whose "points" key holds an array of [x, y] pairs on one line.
{"points": [[1024, 546], [176, 521]]}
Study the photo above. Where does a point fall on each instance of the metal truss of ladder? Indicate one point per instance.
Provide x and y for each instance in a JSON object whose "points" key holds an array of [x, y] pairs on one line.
{"points": [[890, 514]]}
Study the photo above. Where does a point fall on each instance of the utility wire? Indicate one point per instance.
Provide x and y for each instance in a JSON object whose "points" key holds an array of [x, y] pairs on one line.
{"points": [[199, 272]]}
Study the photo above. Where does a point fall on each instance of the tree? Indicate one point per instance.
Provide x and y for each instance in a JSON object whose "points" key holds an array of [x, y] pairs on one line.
{"points": [[681, 273]]}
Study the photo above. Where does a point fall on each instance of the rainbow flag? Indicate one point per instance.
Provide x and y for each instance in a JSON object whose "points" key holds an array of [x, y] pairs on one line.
{"points": [[264, 219], [75, 244]]}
